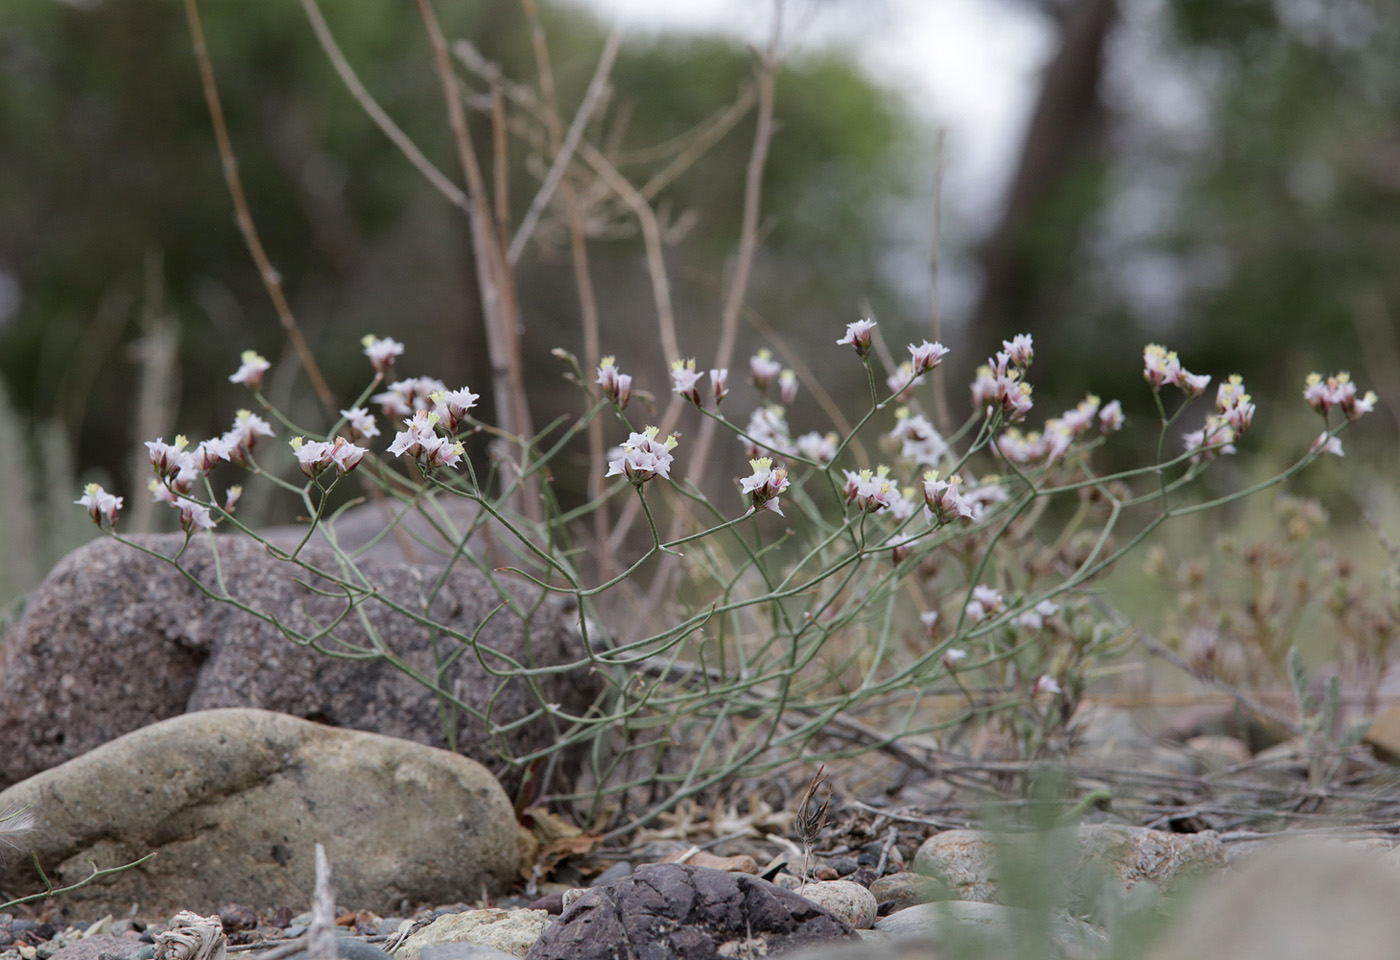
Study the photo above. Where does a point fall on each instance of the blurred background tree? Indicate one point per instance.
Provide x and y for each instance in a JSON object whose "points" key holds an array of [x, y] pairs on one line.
{"points": [[1259, 235]]}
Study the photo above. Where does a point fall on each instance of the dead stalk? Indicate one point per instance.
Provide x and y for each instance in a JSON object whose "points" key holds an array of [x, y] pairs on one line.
{"points": [[271, 279], [583, 280], [499, 306]]}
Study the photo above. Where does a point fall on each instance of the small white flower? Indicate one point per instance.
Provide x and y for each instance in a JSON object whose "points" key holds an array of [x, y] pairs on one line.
{"points": [[451, 406], [644, 457], [1111, 417], [1046, 684], [985, 602], [346, 456], [768, 432], [1034, 619], [818, 447], [858, 336], [765, 484], [243, 435], [617, 386], [361, 422], [1019, 350], [870, 490], [925, 356], [1326, 443], [100, 504], [381, 352], [165, 457], [944, 500], [929, 618], [763, 368], [787, 387], [421, 433], [719, 384], [314, 457], [686, 380], [251, 371], [952, 657]]}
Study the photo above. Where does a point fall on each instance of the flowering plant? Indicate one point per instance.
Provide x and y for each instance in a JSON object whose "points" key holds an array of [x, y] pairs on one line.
{"points": [[941, 571]]}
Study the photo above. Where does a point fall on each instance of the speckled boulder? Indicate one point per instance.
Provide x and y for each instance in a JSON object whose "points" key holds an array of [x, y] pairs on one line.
{"points": [[115, 639]]}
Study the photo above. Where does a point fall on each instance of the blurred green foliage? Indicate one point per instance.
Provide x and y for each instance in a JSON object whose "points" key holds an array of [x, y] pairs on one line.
{"points": [[113, 206]]}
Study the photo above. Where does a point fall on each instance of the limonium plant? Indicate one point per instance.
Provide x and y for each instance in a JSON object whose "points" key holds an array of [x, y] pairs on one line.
{"points": [[826, 604]]}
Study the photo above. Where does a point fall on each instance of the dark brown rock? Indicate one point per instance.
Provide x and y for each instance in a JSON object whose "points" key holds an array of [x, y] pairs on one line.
{"points": [[115, 639], [667, 911]]}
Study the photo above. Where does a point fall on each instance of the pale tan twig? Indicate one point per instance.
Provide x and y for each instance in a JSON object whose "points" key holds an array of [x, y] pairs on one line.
{"points": [[748, 235], [382, 120], [935, 309], [583, 280], [271, 279], [499, 306], [594, 96]]}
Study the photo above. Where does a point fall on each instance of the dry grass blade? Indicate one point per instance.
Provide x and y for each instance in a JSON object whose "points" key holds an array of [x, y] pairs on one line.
{"points": [[811, 816]]}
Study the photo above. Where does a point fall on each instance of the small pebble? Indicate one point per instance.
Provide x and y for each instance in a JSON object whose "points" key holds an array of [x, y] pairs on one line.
{"points": [[552, 903], [236, 916], [826, 873], [845, 866]]}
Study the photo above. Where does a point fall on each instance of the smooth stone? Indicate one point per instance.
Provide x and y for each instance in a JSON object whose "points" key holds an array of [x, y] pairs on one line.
{"points": [[966, 860], [1296, 900], [348, 949], [511, 931], [908, 889], [234, 801], [844, 900], [464, 951], [957, 924]]}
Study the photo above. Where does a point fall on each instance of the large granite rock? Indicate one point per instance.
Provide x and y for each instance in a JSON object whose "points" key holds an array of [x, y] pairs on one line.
{"points": [[679, 912], [116, 639], [233, 802]]}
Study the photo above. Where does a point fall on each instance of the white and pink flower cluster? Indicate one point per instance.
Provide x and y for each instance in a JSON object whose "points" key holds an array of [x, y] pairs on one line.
{"points": [[1001, 383], [1336, 391], [1060, 432], [1163, 366], [643, 456], [178, 468], [764, 485]]}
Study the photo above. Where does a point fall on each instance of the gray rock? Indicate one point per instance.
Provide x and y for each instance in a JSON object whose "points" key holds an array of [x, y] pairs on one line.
{"points": [[115, 639], [1297, 900], [94, 947], [682, 912], [960, 928], [464, 951], [233, 802], [966, 860], [511, 931], [843, 899], [348, 949], [907, 889]]}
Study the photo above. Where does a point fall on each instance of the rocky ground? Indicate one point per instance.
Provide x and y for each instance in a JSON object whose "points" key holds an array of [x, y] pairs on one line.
{"points": [[112, 742]]}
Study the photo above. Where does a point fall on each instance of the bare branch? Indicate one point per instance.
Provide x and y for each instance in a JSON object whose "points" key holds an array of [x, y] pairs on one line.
{"points": [[596, 88], [271, 279]]}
